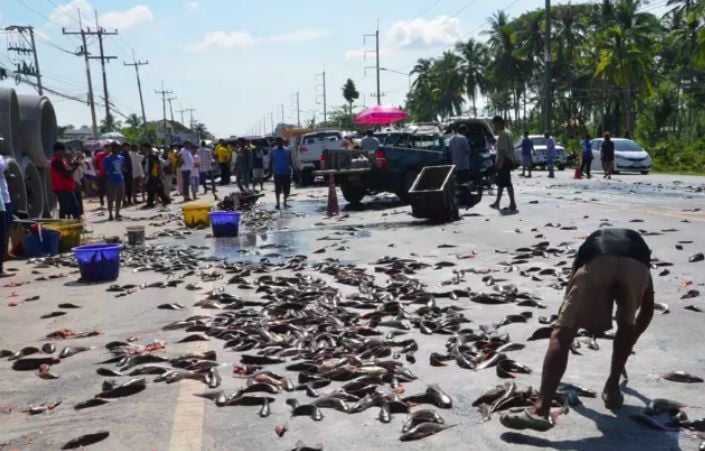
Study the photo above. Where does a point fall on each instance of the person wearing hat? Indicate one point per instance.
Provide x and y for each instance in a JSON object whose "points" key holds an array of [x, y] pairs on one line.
{"points": [[113, 165], [63, 183], [6, 217]]}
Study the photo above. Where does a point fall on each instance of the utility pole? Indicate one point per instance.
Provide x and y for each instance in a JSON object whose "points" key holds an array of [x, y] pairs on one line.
{"points": [[271, 115], [84, 52], [171, 109], [181, 112], [376, 67], [298, 110], [282, 106], [323, 85], [100, 32], [137, 65], [547, 70], [164, 93], [31, 70]]}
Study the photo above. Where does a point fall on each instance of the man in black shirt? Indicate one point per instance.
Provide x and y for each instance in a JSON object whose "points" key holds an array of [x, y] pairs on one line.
{"points": [[612, 266]]}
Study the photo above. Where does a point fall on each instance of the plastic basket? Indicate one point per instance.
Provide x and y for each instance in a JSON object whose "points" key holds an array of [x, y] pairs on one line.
{"points": [[98, 262], [135, 235], [225, 223], [196, 215], [70, 234], [35, 245]]}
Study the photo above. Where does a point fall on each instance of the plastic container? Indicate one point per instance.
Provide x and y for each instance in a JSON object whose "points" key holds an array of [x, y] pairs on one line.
{"points": [[42, 243], [98, 262], [196, 215], [431, 194], [70, 233], [225, 223], [135, 235]]}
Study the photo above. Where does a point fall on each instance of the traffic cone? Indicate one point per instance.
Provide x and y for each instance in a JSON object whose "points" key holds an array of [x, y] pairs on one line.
{"points": [[578, 174], [333, 208]]}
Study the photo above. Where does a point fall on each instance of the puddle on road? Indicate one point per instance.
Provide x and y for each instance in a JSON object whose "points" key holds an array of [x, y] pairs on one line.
{"points": [[638, 188]]}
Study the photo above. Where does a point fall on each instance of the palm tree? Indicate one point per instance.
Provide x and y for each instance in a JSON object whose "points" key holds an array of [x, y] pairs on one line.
{"points": [[475, 59], [448, 84], [421, 102], [350, 94], [506, 67], [133, 121]]}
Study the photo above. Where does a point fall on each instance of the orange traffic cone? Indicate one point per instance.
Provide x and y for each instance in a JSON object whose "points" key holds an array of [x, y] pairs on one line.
{"points": [[333, 208]]}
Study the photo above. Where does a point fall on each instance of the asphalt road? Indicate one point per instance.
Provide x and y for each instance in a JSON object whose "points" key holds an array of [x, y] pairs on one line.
{"points": [[169, 416]]}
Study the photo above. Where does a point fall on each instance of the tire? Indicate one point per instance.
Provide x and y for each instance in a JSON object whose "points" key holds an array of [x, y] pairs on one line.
{"points": [[644, 172], [407, 182], [353, 193], [306, 178]]}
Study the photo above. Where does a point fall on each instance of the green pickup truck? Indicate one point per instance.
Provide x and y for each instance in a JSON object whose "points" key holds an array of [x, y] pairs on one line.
{"points": [[394, 166]]}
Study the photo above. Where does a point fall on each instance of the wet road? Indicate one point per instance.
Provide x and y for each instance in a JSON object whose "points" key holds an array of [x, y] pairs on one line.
{"points": [[165, 416]]}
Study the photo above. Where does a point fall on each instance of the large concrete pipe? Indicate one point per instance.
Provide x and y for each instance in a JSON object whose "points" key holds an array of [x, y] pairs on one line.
{"points": [[10, 125], [15, 184], [50, 201], [39, 130], [34, 186]]}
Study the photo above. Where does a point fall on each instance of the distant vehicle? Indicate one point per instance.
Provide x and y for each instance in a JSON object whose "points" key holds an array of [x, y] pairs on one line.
{"points": [[538, 158], [307, 157], [628, 156]]}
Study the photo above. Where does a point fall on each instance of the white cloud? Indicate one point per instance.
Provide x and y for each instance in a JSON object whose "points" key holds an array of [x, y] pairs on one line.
{"points": [[241, 39], [123, 20], [67, 15], [191, 4], [439, 31]]}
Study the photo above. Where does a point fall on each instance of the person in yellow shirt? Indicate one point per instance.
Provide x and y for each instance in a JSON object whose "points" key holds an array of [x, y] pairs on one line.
{"points": [[223, 155]]}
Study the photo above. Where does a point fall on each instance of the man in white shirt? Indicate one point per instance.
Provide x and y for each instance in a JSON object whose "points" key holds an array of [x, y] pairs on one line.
{"points": [[206, 170], [186, 168], [369, 143], [137, 173], [550, 153]]}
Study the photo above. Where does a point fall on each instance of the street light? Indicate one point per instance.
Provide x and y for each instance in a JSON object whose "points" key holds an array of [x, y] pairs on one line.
{"points": [[398, 72]]}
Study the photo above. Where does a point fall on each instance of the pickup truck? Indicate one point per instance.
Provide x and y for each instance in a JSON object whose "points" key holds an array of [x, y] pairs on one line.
{"points": [[392, 168], [307, 157]]}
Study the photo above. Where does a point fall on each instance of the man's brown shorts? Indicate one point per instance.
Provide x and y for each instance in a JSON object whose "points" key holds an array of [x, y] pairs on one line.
{"points": [[595, 286]]}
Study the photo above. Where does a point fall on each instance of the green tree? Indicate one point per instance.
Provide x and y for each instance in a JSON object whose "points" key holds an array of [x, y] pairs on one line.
{"points": [[133, 121], [475, 58], [350, 94]]}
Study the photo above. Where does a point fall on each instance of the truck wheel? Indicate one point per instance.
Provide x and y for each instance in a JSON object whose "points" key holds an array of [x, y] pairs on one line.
{"points": [[353, 193], [407, 182], [306, 178]]}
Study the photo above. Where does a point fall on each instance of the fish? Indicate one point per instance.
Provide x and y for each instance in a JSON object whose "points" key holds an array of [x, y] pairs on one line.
{"points": [[193, 337], [48, 348], [68, 351], [422, 430], [264, 411], [541, 333], [691, 294], [662, 308], [505, 367], [128, 388], [93, 402], [681, 376], [308, 410], [300, 446], [86, 440], [171, 306], [384, 415], [52, 314], [33, 363], [422, 416], [659, 405], [693, 308], [696, 257], [68, 305]]}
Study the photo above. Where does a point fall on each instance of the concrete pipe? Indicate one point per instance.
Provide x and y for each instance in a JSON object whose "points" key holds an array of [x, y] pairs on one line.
{"points": [[50, 202], [10, 125], [39, 130], [34, 186], [15, 184]]}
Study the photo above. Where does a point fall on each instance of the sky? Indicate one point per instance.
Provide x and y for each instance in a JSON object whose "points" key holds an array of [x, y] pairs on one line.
{"points": [[239, 63]]}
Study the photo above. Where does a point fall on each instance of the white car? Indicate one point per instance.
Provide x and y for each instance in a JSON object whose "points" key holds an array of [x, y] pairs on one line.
{"points": [[538, 157], [307, 157], [628, 156]]}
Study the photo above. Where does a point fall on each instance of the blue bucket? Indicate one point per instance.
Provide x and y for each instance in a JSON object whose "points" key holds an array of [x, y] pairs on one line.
{"points": [[225, 223], [36, 246], [98, 262]]}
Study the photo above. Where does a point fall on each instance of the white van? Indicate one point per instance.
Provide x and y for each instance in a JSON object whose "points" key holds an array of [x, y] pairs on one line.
{"points": [[307, 157]]}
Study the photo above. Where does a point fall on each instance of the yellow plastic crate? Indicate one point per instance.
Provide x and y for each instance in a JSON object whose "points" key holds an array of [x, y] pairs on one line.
{"points": [[196, 214]]}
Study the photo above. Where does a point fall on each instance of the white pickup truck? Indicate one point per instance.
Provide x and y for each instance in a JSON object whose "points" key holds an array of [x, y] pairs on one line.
{"points": [[307, 157]]}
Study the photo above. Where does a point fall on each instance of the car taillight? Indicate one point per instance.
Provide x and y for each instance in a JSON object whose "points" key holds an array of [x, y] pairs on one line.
{"points": [[380, 159], [303, 149]]}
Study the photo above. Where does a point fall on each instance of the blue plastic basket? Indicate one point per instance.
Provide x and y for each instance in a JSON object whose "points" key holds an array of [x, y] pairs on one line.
{"points": [[98, 262], [48, 244], [225, 223]]}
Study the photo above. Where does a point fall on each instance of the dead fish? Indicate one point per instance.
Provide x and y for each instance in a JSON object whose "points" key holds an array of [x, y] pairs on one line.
{"points": [[300, 446], [422, 430], [93, 402], [248, 359], [697, 258], [308, 410], [506, 367], [660, 405], [33, 363], [384, 415], [422, 416], [86, 440], [439, 397], [665, 272], [693, 308], [48, 348], [68, 305], [541, 333], [52, 315], [68, 351], [436, 359], [193, 337], [108, 372], [691, 294], [128, 388], [681, 376], [264, 411], [172, 306], [662, 308]]}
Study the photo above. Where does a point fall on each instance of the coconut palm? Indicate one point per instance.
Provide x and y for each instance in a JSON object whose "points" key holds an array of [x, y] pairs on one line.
{"points": [[475, 59]]}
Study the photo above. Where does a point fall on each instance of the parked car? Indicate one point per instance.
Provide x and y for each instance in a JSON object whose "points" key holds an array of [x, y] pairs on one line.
{"points": [[628, 156], [538, 158], [307, 157]]}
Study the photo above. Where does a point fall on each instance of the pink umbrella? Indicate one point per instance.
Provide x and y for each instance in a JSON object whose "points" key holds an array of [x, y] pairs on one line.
{"points": [[381, 115]]}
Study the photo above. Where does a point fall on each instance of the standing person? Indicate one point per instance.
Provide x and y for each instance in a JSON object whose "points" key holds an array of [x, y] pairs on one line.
{"points": [[89, 175], [550, 153], [258, 167], [101, 175], [527, 155], [186, 158], [137, 173], [6, 216], [280, 162], [459, 149], [243, 165], [611, 267], [504, 164], [206, 169], [80, 178], [167, 170], [195, 172], [62, 182], [587, 156], [223, 155], [177, 162], [127, 172], [153, 184], [607, 155], [113, 165], [369, 143]]}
